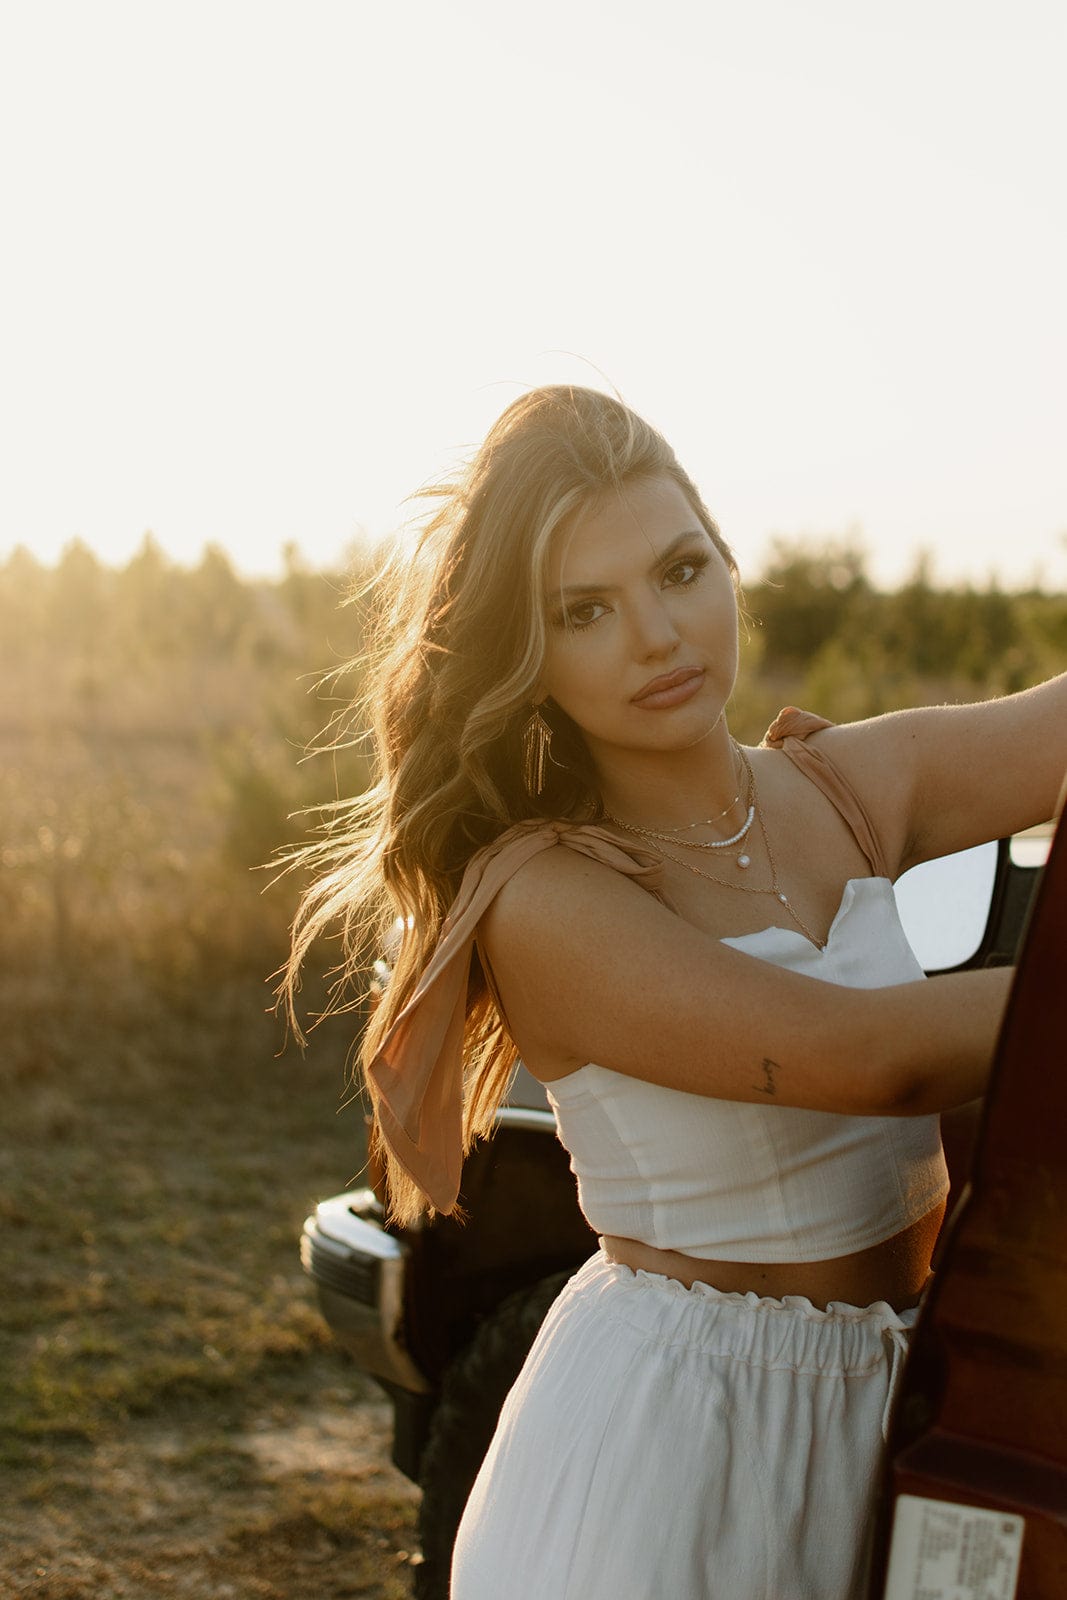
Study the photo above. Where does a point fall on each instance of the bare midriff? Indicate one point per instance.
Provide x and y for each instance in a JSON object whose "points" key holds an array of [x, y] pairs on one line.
{"points": [[896, 1270]]}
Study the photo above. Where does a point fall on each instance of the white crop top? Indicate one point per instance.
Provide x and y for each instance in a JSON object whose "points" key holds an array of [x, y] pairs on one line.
{"points": [[739, 1182]]}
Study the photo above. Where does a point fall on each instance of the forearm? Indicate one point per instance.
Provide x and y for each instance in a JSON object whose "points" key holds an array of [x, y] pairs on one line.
{"points": [[714, 1021], [933, 1043]]}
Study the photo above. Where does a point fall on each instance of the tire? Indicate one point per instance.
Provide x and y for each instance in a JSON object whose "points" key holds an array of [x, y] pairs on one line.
{"points": [[472, 1393]]}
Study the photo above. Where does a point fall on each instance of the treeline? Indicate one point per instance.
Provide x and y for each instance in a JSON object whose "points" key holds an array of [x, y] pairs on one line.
{"points": [[154, 730], [155, 722], [815, 616], [98, 625], [821, 618]]}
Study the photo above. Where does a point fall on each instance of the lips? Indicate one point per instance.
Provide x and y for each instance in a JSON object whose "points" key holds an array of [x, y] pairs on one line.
{"points": [[670, 689]]}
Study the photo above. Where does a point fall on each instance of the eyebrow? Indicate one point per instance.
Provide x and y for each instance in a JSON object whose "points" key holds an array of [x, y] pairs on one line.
{"points": [[575, 591]]}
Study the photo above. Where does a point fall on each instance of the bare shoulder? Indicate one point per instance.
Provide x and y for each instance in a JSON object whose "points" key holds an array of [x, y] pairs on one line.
{"points": [[568, 940], [873, 744], [941, 778], [554, 900], [879, 758]]}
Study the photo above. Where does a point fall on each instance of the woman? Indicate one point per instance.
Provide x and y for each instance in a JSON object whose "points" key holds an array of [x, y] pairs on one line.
{"points": [[694, 946]]}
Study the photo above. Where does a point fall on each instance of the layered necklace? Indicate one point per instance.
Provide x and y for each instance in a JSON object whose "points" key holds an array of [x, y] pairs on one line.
{"points": [[671, 836]]}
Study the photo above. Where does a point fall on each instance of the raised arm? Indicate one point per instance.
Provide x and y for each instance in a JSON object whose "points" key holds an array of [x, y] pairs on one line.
{"points": [[590, 967], [943, 778]]}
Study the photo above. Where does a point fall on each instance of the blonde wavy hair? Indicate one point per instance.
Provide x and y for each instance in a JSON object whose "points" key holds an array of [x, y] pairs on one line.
{"points": [[456, 647]]}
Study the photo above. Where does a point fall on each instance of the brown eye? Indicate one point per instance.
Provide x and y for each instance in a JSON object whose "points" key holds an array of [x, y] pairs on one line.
{"points": [[584, 614]]}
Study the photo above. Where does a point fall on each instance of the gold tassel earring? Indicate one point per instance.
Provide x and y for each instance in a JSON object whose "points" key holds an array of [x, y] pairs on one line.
{"points": [[536, 748]]}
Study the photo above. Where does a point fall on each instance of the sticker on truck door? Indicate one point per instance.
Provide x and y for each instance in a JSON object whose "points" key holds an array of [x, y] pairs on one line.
{"points": [[943, 1551]]}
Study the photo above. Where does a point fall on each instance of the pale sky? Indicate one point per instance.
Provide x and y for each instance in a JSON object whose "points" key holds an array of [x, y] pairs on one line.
{"points": [[269, 267]]}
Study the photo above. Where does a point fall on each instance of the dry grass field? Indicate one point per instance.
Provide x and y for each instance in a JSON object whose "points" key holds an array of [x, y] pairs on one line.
{"points": [[173, 1419]]}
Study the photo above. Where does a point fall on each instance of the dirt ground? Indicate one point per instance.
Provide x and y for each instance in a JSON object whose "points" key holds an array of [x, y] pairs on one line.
{"points": [[175, 1418], [300, 1504]]}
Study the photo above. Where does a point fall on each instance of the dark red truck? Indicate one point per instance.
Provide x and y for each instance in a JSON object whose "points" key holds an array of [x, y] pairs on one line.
{"points": [[974, 1503]]}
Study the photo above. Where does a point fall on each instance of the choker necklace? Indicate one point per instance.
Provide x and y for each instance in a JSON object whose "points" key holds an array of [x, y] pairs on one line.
{"points": [[685, 827], [746, 888], [670, 835]]}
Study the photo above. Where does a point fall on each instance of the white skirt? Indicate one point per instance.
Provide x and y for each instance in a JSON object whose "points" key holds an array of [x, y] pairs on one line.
{"points": [[664, 1443]]}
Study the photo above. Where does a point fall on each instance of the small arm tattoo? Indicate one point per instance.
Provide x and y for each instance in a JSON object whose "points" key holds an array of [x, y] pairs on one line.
{"points": [[768, 1086]]}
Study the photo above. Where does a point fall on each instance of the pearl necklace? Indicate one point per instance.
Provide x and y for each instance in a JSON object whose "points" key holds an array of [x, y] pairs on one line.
{"points": [[746, 888], [669, 835]]}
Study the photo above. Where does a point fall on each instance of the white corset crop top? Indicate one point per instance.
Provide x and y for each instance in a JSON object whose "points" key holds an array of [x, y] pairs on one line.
{"points": [[737, 1182]]}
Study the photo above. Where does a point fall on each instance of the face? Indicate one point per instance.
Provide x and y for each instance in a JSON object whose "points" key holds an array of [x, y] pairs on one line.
{"points": [[642, 623]]}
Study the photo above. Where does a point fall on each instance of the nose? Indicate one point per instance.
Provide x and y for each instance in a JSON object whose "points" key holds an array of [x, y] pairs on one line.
{"points": [[654, 634]]}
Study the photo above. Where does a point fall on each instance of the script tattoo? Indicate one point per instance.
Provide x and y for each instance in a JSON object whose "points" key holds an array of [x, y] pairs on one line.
{"points": [[768, 1086]]}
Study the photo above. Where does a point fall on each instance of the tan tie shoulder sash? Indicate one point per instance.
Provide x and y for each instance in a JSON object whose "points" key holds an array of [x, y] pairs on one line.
{"points": [[417, 1074]]}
